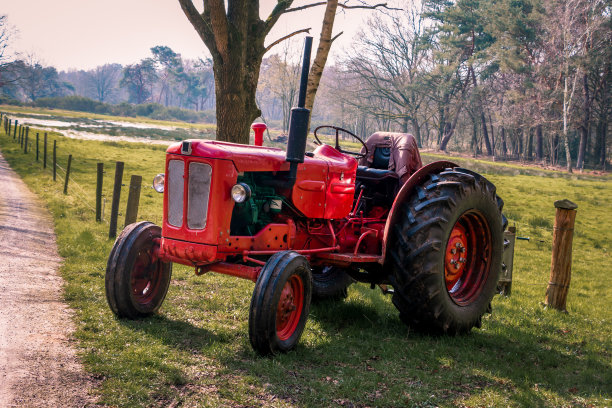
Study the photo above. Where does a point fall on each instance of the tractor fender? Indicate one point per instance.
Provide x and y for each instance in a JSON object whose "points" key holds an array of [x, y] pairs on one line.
{"points": [[404, 194]]}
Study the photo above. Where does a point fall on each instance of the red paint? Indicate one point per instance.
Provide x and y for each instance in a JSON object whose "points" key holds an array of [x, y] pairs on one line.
{"points": [[258, 128], [465, 283], [289, 309], [323, 193]]}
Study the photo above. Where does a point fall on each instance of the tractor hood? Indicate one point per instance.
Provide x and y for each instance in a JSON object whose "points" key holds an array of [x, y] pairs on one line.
{"points": [[257, 158]]}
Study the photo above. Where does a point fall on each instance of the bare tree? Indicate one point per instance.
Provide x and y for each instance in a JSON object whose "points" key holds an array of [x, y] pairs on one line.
{"points": [[103, 80], [391, 63]]}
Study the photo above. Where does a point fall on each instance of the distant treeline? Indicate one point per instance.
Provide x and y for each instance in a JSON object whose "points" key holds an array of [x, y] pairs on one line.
{"points": [[149, 110]]}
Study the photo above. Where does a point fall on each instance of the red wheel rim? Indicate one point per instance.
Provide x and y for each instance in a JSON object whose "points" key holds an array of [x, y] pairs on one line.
{"points": [[467, 259], [145, 278], [289, 308]]}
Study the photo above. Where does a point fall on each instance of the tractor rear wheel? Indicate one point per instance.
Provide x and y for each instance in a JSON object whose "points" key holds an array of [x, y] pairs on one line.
{"points": [[330, 282], [446, 252], [136, 282], [280, 303]]}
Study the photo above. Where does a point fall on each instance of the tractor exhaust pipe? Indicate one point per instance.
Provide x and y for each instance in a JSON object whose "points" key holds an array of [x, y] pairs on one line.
{"points": [[298, 124]]}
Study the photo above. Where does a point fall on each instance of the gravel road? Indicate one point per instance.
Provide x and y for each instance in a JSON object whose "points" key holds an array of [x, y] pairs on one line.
{"points": [[39, 366]]}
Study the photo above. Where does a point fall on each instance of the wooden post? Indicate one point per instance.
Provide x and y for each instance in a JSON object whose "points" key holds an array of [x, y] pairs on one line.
{"points": [[67, 174], [131, 213], [27, 136], [561, 264], [21, 136], [99, 192], [54, 160], [25, 144], [37, 146], [45, 152], [112, 232]]}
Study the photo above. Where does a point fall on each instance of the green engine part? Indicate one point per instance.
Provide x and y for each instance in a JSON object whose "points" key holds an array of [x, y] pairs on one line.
{"points": [[259, 210]]}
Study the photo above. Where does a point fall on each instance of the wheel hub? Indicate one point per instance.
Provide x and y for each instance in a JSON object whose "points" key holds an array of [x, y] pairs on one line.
{"points": [[456, 256], [289, 307], [144, 278], [467, 258]]}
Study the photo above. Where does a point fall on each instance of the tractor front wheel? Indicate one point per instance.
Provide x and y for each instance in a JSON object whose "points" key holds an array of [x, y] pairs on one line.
{"points": [[280, 303], [136, 281], [446, 252]]}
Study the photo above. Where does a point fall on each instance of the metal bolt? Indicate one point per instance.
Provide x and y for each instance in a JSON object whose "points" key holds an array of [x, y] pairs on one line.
{"points": [[462, 260], [453, 251]]}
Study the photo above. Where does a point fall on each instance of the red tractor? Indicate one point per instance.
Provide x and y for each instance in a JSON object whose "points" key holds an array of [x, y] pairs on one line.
{"points": [[303, 225]]}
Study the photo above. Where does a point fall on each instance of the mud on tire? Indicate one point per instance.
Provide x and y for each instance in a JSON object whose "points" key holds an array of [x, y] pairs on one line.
{"points": [[446, 252]]}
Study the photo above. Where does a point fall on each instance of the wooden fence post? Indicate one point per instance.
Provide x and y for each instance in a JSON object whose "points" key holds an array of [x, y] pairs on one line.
{"points": [[45, 152], [25, 144], [21, 136], [131, 213], [36, 146], [99, 180], [67, 174], [561, 263], [54, 160], [112, 232]]}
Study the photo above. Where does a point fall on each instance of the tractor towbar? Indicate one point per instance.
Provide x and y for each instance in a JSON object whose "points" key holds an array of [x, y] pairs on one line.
{"points": [[298, 125]]}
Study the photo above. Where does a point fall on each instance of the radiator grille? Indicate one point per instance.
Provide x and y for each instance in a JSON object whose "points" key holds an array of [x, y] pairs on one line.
{"points": [[198, 194], [175, 185]]}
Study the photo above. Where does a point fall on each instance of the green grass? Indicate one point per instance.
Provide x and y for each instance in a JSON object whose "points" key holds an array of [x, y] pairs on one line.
{"points": [[354, 352]]}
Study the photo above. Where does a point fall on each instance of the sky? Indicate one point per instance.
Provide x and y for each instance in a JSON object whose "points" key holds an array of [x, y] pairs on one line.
{"points": [[82, 34]]}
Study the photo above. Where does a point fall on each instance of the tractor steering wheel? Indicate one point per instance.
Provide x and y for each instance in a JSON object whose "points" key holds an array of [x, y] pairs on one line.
{"points": [[358, 155]]}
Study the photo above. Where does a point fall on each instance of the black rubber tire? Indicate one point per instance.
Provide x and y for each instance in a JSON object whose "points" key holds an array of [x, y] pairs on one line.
{"points": [[330, 282], [418, 248], [276, 273], [135, 244]]}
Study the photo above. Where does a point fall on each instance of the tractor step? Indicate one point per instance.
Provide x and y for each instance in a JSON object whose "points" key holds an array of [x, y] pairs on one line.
{"points": [[345, 259]]}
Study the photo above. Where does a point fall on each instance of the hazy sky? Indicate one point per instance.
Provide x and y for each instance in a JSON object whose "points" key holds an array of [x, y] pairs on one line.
{"points": [[86, 33]]}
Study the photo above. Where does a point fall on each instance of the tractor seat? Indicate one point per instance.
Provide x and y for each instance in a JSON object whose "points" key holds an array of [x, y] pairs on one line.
{"points": [[369, 174]]}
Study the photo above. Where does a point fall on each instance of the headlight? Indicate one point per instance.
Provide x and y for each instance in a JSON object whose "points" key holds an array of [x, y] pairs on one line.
{"points": [[158, 182], [241, 192]]}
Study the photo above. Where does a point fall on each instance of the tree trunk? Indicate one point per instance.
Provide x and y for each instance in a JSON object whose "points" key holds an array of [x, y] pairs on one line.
{"points": [[325, 41], [485, 134], [235, 89], [504, 146], [584, 128], [450, 128], [530, 145], [566, 102], [539, 143], [416, 128]]}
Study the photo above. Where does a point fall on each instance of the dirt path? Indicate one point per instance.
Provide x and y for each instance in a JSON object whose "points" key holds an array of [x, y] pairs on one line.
{"points": [[38, 363]]}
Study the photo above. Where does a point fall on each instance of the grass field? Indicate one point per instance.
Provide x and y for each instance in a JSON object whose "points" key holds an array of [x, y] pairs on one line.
{"points": [[356, 352]]}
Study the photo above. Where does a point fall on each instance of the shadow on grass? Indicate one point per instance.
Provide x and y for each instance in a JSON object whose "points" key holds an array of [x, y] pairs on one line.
{"points": [[174, 333], [363, 355]]}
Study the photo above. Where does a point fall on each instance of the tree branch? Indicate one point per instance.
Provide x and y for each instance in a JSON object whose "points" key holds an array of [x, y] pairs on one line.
{"points": [[197, 21], [304, 30], [336, 36], [218, 24], [280, 8], [342, 5]]}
